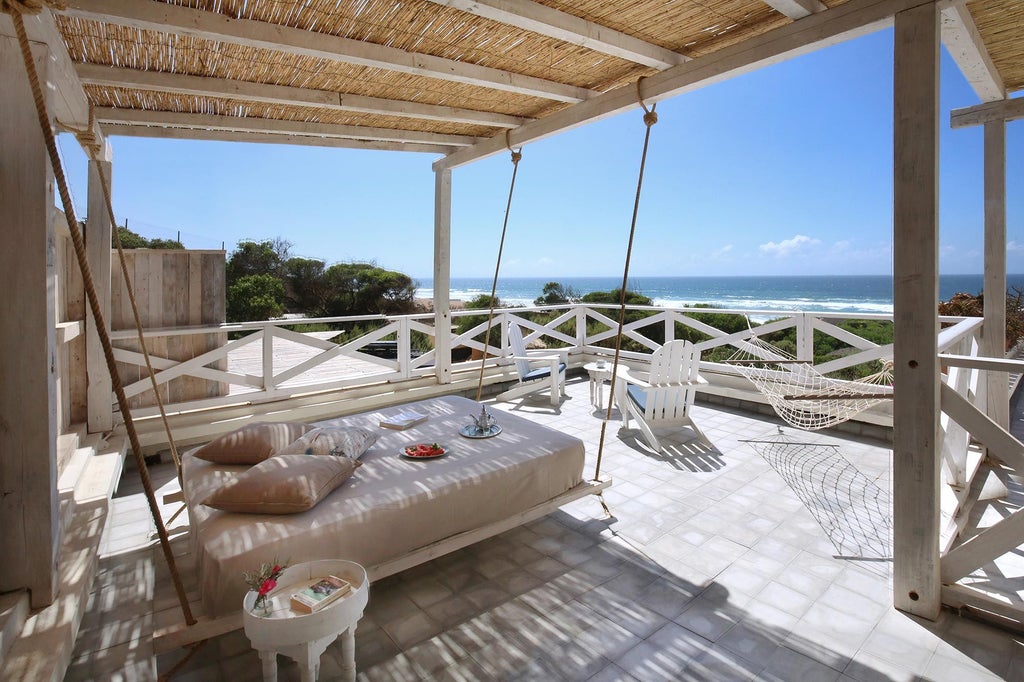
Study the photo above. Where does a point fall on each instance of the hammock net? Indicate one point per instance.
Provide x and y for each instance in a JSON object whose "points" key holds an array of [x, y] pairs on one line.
{"points": [[802, 396], [852, 508]]}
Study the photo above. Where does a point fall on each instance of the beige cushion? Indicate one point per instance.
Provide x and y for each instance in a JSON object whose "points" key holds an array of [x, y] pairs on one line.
{"points": [[251, 444], [343, 441], [285, 484]]}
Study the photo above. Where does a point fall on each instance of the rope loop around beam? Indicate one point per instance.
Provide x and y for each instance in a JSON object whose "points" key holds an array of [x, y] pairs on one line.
{"points": [[23, 7], [650, 115]]}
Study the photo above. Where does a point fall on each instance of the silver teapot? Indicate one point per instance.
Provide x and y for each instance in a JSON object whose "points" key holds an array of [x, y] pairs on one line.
{"points": [[484, 421]]}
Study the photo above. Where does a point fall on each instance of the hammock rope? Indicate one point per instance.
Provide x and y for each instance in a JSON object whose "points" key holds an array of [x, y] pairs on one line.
{"points": [[650, 118], [16, 8], [801, 395], [517, 156]]}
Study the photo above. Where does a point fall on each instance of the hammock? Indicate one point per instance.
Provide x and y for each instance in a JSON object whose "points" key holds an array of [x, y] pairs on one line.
{"points": [[800, 394]]}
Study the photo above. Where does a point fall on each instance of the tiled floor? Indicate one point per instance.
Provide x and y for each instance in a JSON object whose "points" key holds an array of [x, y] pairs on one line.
{"points": [[710, 568]]}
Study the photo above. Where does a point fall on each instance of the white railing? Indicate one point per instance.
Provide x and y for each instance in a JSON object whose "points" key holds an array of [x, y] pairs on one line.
{"points": [[269, 361]]}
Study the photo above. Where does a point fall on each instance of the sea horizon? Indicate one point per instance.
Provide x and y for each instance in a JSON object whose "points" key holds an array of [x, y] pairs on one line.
{"points": [[869, 294]]}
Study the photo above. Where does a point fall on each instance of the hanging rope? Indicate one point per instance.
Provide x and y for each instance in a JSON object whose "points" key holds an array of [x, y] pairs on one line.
{"points": [[650, 118], [16, 8], [138, 321], [517, 156]]}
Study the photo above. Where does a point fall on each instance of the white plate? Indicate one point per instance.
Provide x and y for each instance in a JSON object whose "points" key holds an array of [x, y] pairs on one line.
{"points": [[444, 451]]}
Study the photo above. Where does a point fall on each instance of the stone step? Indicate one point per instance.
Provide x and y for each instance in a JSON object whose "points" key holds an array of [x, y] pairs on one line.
{"points": [[72, 473], [102, 473], [13, 613], [42, 651], [46, 639]]}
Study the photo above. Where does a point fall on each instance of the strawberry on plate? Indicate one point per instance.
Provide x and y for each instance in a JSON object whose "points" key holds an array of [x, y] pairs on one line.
{"points": [[424, 450]]}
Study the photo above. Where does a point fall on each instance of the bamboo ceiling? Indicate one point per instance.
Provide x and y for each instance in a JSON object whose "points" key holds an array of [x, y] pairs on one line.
{"points": [[427, 75]]}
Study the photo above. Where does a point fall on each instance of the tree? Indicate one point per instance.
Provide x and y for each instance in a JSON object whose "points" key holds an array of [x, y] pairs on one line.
{"points": [[967, 305], [613, 296], [365, 289], [255, 297], [257, 258], [132, 240], [306, 286], [555, 293]]}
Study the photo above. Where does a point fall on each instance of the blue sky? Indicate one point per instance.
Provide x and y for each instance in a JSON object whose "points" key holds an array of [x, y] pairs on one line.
{"points": [[784, 171]]}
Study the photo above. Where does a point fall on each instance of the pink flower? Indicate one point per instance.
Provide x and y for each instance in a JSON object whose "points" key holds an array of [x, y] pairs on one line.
{"points": [[267, 586]]}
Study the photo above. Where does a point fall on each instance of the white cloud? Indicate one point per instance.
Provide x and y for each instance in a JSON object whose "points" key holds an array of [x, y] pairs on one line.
{"points": [[787, 246], [722, 251], [1014, 245], [841, 246]]}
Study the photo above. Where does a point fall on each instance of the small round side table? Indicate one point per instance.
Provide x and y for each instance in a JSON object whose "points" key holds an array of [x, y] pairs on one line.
{"points": [[599, 373], [303, 637]]}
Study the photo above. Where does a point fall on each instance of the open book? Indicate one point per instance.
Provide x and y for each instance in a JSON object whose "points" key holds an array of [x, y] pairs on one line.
{"points": [[403, 420], [320, 593]]}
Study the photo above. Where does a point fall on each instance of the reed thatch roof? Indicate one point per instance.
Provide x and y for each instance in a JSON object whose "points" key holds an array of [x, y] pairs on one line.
{"points": [[452, 76]]}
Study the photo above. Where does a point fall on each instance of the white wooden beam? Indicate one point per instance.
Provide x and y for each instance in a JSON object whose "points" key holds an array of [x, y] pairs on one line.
{"points": [[1005, 536], [442, 275], [28, 398], [537, 18], [994, 333], [170, 119], [69, 102], [94, 74], [983, 606], [796, 9], [845, 22], [980, 362], [270, 138], [964, 43], [998, 440], [1004, 110], [185, 21], [100, 411], [916, 463]]}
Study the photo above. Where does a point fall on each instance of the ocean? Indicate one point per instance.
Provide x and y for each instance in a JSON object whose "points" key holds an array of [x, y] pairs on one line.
{"points": [[840, 294]]}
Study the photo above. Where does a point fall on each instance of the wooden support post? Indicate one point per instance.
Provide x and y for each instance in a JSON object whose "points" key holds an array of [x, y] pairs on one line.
{"points": [[442, 275], [994, 336], [97, 246], [28, 399], [916, 465], [805, 337]]}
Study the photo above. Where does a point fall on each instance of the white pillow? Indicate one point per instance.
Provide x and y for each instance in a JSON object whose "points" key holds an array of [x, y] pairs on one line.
{"points": [[341, 441]]}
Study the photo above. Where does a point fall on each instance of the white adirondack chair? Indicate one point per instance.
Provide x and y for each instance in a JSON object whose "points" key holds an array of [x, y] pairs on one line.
{"points": [[665, 397], [549, 376]]}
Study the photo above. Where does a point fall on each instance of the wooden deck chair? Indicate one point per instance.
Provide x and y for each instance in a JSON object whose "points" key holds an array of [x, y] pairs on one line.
{"points": [[665, 398], [550, 376]]}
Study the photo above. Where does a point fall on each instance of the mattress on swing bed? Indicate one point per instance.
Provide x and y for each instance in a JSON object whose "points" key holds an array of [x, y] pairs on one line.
{"points": [[392, 505]]}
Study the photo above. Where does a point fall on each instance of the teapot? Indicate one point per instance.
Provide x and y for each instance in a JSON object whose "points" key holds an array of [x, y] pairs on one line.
{"points": [[484, 421]]}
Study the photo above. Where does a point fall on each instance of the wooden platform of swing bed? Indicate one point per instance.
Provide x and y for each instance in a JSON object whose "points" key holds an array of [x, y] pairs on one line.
{"points": [[523, 474]]}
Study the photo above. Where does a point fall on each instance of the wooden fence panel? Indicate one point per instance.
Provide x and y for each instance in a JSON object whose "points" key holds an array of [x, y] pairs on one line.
{"points": [[173, 288]]}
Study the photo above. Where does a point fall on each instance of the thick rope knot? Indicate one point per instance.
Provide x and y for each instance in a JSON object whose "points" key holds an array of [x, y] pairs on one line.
{"points": [[22, 6], [650, 118], [517, 156]]}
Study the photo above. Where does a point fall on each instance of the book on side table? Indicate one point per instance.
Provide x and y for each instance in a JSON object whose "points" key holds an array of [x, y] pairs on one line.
{"points": [[320, 593], [403, 420]]}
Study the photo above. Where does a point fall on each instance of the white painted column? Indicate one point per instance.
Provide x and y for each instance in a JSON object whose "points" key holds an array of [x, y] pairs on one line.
{"points": [[28, 400], [97, 248], [916, 463], [993, 343], [442, 275]]}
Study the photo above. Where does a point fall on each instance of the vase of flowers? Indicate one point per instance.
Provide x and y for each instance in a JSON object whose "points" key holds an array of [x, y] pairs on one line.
{"points": [[262, 582]]}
